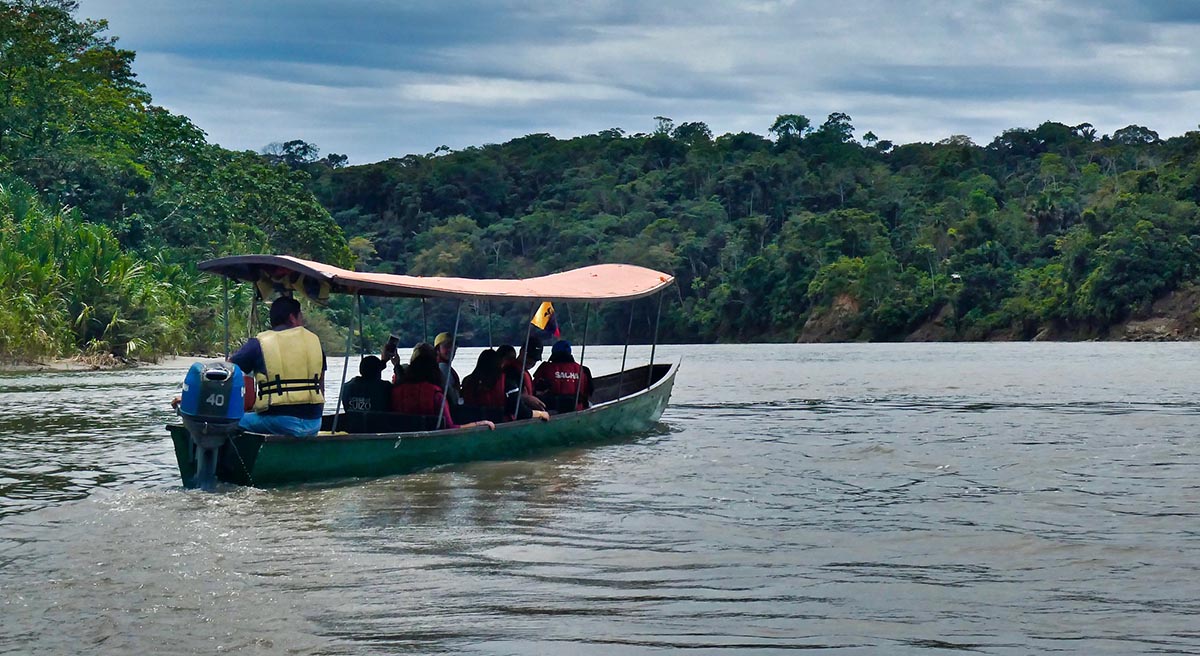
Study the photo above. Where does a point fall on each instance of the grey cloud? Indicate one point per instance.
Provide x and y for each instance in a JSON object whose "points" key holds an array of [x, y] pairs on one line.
{"points": [[1153, 11], [987, 82], [376, 78]]}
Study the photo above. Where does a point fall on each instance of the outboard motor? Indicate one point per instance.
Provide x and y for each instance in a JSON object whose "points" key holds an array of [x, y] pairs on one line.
{"points": [[211, 406]]}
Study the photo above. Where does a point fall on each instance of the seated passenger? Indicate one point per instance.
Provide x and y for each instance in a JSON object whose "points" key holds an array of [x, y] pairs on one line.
{"points": [[288, 364], [519, 401], [563, 380], [484, 387], [420, 391], [443, 345], [367, 392]]}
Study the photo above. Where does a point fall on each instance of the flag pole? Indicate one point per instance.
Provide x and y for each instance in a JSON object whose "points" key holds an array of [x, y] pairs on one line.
{"points": [[524, 358]]}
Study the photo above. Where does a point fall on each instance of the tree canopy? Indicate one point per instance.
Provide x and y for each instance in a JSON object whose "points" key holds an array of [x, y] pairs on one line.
{"points": [[1049, 230], [150, 197], [107, 202]]}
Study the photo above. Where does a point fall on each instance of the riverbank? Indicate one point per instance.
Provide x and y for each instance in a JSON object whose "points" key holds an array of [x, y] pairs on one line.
{"points": [[91, 363], [1174, 317]]}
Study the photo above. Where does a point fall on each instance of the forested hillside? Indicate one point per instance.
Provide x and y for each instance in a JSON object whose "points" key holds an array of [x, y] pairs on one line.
{"points": [[808, 233], [107, 201], [803, 233]]}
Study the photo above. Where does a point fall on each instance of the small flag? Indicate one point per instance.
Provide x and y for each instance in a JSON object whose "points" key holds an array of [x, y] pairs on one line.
{"points": [[544, 319]]}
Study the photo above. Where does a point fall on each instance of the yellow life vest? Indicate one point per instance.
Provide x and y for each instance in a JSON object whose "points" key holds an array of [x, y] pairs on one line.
{"points": [[294, 363]]}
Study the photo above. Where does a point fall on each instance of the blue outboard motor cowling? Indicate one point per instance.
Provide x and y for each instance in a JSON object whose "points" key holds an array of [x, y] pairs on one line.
{"points": [[212, 391], [211, 406]]}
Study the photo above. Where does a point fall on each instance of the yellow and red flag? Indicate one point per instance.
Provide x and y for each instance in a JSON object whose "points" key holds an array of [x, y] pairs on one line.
{"points": [[544, 319]]}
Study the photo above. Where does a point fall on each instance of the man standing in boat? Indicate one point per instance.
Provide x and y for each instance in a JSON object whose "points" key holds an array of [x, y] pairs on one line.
{"points": [[288, 364]]}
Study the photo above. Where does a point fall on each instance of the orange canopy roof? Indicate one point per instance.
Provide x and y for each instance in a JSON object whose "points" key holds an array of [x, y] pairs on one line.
{"points": [[601, 282]]}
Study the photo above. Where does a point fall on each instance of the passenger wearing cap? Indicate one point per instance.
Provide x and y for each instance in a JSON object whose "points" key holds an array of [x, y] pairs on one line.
{"points": [[367, 392], [444, 345], [563, 384], [518, 384]]}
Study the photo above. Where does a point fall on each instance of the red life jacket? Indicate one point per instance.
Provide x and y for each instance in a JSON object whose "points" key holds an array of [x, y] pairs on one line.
{"points": [[474, 394], [249, 395], [565, 379], [559, 377], [417, 399]]}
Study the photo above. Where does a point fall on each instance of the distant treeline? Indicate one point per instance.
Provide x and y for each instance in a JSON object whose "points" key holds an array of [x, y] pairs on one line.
{"points": [[107, 202], [808, 233]]}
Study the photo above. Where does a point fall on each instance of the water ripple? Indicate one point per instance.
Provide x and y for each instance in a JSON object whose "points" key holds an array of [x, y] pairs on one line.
{"points": [[898, 499]]}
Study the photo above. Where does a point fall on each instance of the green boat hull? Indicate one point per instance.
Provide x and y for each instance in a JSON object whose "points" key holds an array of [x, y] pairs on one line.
{"points": [[625, 406]]}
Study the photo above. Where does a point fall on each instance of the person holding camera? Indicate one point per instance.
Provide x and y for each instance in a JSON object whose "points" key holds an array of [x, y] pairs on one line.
{"points": [[391, 353]]}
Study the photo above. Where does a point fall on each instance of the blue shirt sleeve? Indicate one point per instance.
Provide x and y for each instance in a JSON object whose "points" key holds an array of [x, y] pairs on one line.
{"points": [[250, 357]]}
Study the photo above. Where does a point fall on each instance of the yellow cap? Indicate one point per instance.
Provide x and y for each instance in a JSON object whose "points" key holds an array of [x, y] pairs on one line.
{"points": [[442, 338]]}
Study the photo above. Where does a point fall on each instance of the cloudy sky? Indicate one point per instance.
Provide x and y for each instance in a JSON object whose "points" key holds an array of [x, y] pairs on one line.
{"points": [[374, 79]]}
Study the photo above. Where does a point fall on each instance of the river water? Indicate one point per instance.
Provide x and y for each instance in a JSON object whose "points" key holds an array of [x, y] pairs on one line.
{"points": [[849, 499]]}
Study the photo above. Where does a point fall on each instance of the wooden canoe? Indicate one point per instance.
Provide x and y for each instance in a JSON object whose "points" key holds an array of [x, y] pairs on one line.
{"points": [[624, 405]]}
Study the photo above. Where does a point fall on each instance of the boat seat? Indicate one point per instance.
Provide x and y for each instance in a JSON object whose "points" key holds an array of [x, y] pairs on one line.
{"points": [[385, 422], [465, 414], [560, 403]]}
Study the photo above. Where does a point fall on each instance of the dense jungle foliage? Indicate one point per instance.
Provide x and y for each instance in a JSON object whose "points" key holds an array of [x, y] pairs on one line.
{"points": [[809, 234], [107, 202]]}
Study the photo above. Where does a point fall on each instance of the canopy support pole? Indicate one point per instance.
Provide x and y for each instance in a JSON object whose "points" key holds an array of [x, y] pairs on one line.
{"points": [[424, 322], [587, 312], [488, 308], [362, 338], [253, 322], [524, 358], [654, 344], [226, 285], [337, 411], [625, 353], [449, 367]]}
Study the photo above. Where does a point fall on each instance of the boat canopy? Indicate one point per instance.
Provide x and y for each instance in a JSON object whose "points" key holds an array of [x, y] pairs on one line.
{"points": [[601, 282]]}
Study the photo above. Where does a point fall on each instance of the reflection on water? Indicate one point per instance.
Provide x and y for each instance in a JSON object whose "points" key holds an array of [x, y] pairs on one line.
{"points": [[998, 499]]}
